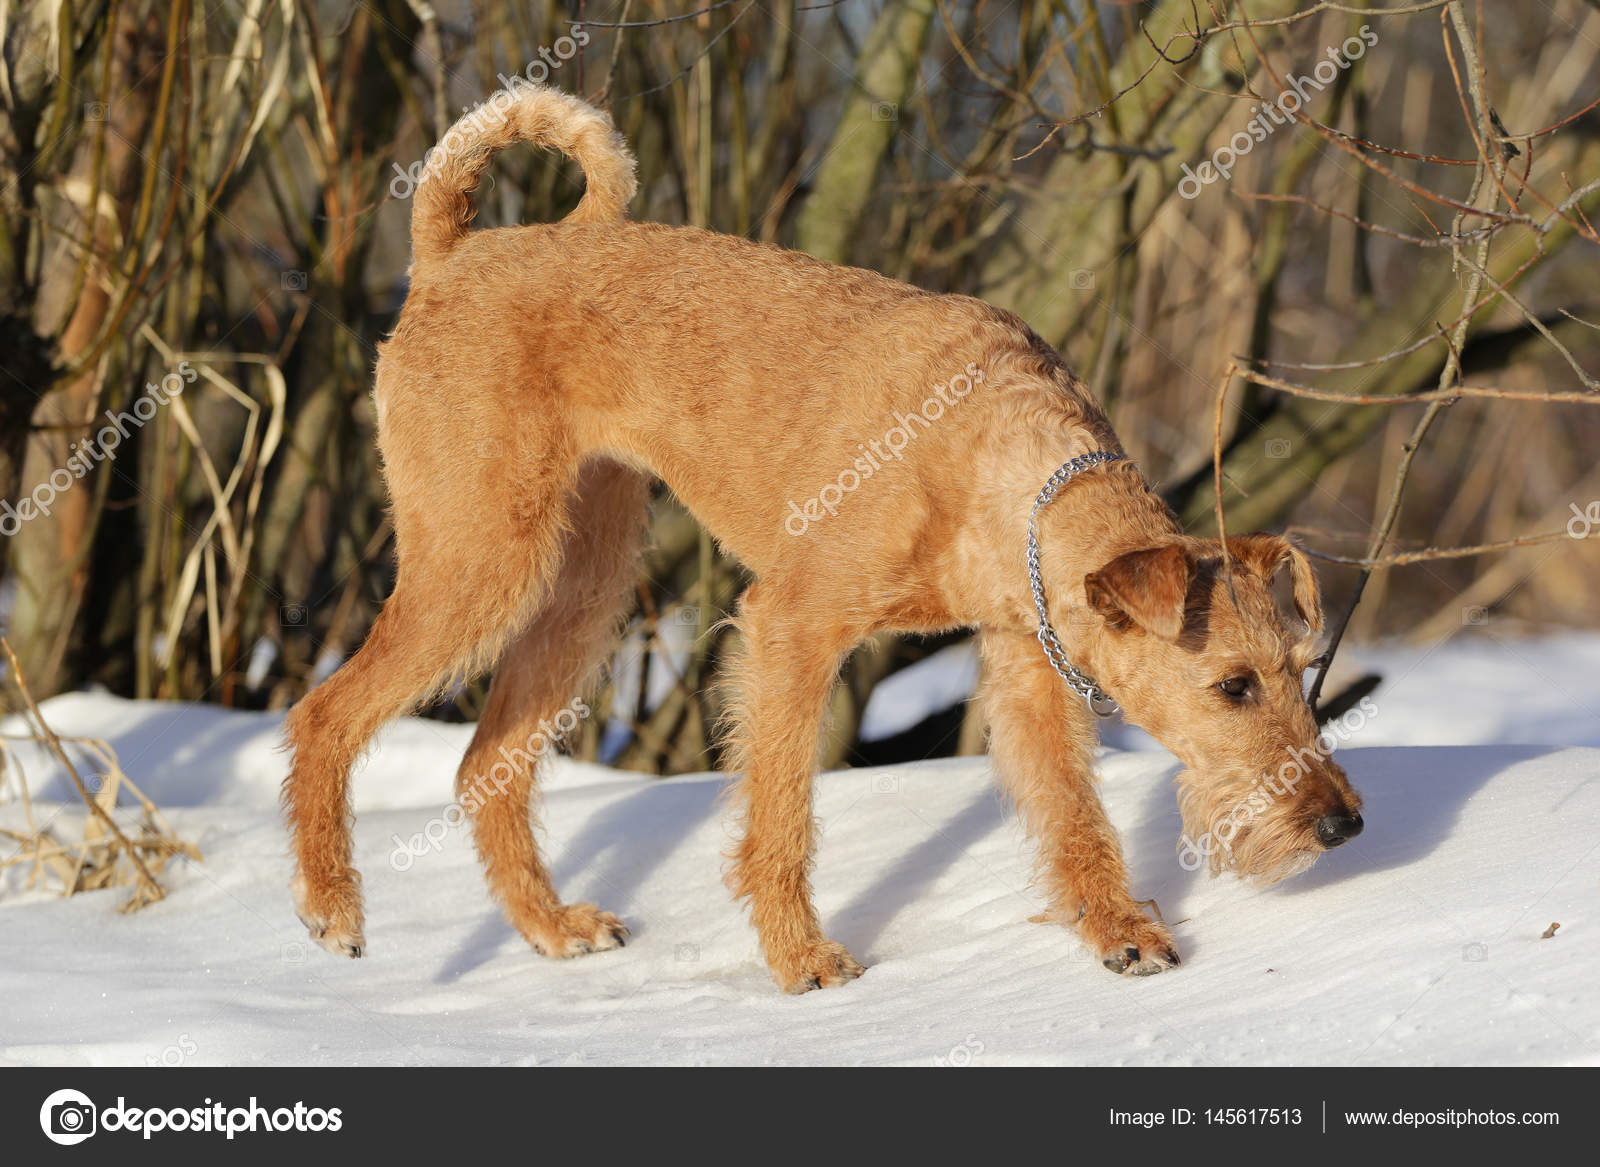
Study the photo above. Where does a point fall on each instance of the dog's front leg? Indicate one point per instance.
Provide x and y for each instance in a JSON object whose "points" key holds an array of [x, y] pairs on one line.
{"points": [[1042, 739], [783, 679]]}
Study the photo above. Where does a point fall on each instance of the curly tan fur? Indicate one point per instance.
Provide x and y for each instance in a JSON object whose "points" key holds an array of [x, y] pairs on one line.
{"points": [[537, 380]]}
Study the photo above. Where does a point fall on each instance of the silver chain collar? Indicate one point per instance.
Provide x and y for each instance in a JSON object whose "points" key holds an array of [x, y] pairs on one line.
{"points": [[1081, 683]]}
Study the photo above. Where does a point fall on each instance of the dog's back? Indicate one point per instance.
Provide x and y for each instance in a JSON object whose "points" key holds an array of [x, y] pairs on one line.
{"points": [[595, 316]]}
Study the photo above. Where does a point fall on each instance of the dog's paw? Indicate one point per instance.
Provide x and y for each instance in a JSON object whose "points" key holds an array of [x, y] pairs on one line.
{"points": [[1134, 946], [341, 941], [825, 965], [331, 914], [577, 929]]}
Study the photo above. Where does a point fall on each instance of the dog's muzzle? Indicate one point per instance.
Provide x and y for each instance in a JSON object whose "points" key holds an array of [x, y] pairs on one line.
{"points": [[1334, 829]]}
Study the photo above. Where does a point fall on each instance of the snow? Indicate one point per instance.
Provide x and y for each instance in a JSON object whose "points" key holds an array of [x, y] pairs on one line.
{"points": [[1420, 943], [1482, 691]]}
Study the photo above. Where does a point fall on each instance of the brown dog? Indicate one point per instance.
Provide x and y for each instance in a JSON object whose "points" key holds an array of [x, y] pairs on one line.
{"points": [[871, 452]]}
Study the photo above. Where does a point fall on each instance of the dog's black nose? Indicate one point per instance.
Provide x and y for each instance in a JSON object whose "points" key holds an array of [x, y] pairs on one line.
{"points": [[1333, 829]]}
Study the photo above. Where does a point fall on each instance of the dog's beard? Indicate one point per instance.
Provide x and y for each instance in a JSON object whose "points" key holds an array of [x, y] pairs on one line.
{"points": [[1236, 826], [1264, 868]]}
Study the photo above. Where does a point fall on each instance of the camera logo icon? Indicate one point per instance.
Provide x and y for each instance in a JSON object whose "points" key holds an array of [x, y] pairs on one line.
{"points": [[67, 1117]]}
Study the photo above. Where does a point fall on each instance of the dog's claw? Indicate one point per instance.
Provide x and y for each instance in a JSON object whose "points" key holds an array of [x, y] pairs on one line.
{"points": [[1129, 956], [1133, 963], [825, 965]]}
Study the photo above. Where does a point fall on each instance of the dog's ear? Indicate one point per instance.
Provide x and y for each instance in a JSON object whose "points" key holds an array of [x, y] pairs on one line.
{"points": [[1264, 555], [1146, 587]]}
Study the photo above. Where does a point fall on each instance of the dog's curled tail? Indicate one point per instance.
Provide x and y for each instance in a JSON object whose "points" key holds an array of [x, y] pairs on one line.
{"points": [[524, 113]]}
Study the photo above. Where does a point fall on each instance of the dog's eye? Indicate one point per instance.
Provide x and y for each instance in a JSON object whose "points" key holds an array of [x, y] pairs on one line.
{"points": [[1235, 688]]}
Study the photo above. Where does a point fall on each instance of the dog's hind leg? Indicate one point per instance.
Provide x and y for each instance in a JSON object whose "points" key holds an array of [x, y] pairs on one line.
{"points": [[472, 562], [536, 700], [782, 682], [1042, 739]]}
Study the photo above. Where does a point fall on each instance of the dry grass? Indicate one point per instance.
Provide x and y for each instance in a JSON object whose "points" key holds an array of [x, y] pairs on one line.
{"points": [[105, 853]]}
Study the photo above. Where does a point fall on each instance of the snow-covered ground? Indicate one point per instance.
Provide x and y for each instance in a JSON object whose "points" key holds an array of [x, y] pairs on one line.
{"points": [[1418, 943]]}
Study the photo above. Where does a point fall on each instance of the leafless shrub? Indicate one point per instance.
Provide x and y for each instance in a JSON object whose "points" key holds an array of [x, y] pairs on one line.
{"points": [[1333, 337]]}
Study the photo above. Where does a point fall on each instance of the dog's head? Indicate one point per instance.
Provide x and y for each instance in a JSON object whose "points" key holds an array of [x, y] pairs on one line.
{"points": [[1200, 653]]}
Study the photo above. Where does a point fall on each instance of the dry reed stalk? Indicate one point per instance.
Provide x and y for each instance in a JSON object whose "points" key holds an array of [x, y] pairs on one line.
{"points": [[95, 861]]}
